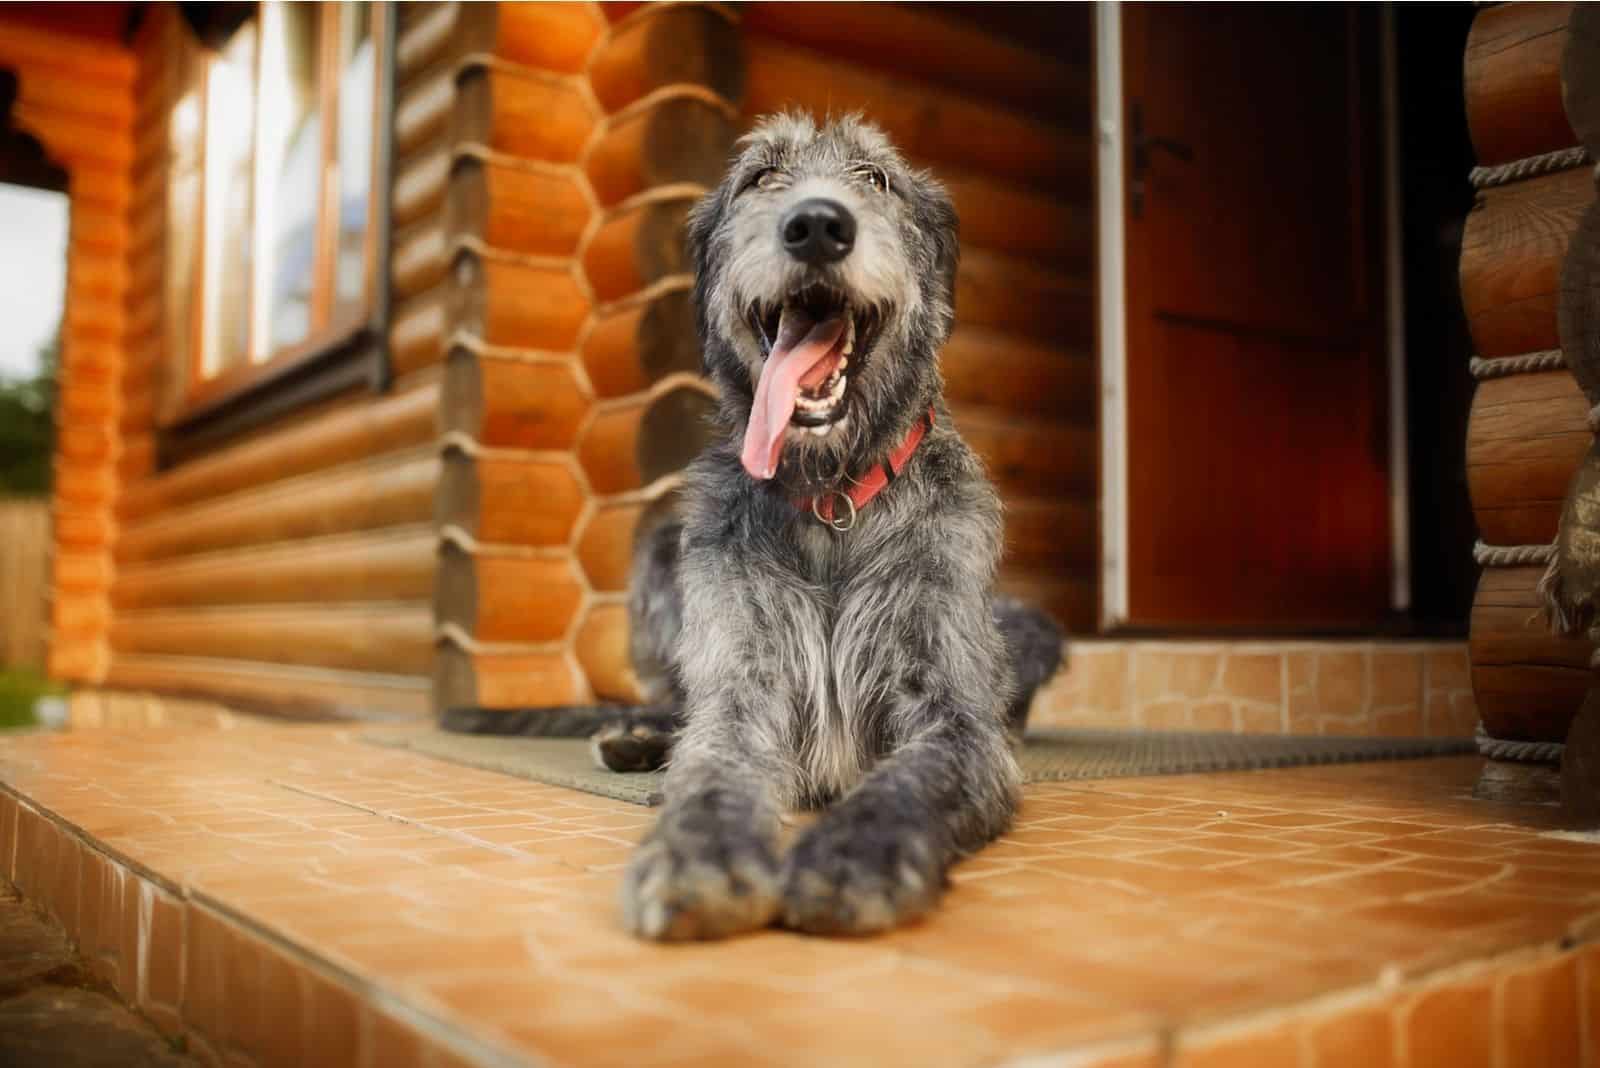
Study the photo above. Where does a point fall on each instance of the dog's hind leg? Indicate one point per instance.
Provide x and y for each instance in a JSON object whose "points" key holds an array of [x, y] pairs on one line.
{"points": [[1033, 650]]}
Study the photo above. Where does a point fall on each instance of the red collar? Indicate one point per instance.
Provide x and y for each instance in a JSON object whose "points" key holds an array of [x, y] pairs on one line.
{"points": [[869, 485]]}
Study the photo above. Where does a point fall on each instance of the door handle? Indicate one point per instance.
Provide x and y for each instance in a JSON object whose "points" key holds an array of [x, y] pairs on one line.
{"points": [[1143, 147]]}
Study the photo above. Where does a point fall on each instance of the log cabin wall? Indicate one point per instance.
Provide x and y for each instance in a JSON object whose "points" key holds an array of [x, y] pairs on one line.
{"points": [[294, 567], [76, 95], [1529, 426], [572, 397]]}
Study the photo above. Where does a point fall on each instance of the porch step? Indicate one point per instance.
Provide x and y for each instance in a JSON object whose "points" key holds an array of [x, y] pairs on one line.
{"points": [[289, 895]]}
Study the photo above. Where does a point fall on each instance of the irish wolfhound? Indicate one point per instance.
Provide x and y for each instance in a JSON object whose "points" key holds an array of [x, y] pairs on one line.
{"points": [[815, 625]]}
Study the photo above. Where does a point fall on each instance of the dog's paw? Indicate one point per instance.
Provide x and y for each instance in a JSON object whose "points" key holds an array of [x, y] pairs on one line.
{"points": [[640, 747], [838, 880], [682, 886]]}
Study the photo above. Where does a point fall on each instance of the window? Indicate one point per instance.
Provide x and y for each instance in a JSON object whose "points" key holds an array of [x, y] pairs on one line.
{"points": [[274, 225]]}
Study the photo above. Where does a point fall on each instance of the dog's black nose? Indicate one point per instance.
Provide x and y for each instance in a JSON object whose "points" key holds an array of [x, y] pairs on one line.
{"points": [[819, 231]]}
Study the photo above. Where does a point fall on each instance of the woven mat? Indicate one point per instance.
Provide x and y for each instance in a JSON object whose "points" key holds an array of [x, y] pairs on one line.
{"points": [[1048, 755]]}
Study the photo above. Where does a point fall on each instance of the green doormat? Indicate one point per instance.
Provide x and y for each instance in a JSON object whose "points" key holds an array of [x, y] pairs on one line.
{"points": [[1048, 756]]}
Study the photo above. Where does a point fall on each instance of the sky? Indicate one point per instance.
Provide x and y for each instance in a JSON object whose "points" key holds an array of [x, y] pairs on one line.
{"points": [[33, 274]]}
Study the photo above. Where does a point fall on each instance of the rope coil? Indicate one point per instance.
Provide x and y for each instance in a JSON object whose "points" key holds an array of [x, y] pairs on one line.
{"points": [[1526, 364], [1512, 555], [1532, 167], [1518, 752]]}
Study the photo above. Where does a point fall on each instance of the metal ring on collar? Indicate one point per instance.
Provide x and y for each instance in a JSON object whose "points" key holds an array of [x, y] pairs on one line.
{"points": [[838, 523]]}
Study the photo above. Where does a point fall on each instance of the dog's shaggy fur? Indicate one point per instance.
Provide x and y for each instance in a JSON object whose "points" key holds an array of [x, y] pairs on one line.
{"points": [[797, 665]]}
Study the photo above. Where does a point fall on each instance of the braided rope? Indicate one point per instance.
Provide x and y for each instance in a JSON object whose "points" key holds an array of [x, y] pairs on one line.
{"points": [[1526, 364], [1520, 752], [1512, 555], [1531, 167]]}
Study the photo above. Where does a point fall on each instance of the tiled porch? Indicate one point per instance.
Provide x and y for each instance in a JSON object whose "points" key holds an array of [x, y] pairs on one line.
{"points": [[288, 895]]}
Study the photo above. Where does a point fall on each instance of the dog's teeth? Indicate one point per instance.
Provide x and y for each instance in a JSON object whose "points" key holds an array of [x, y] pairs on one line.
{"points": [[819, 431]]}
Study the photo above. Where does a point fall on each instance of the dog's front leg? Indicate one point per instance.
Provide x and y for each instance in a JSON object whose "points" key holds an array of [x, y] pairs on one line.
{"points": [[709, 868], [880, 856]]}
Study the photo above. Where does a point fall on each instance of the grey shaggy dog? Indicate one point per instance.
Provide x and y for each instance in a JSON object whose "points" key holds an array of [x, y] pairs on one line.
{"points": [[798, 658]]}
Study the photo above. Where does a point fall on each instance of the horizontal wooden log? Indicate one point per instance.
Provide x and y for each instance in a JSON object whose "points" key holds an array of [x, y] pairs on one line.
{"points": [[396, 564], [388, 638], [999, 370], [86, 442], [926, 44], [81, 571], [98, 227], [1069, 598], [1055, 227], [1032, 457], [366, 495], [138, 459], [505, 680], [423, 112], [421, 258], [929, 123], [506, 598], [549, 36], [60, 91], [274, 688], [80, 661], [521, 114], [632, 348], [518, 209], [417, 332], [1528, 682], [78, 617], [94, 64], [82, 528], [107, 188], [1526, 437], [342, 435], [636, 248], [83, 485], [1043, 534], [84, 400], [73, 140], [504, 402], [1014, 295], [601, 646], [517, 304], [1511, 257], [677, 140], [509, 499], [669, 45], [605, 546], [1513, 82], [631, 445], [419, 188]]}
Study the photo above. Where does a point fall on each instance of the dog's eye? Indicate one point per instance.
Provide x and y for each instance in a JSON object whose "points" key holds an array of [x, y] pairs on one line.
{"points": [[876, 177], [766, 179]]}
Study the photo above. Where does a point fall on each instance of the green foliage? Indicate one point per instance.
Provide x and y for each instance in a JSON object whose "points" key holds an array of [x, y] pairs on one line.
{"points": [[27, 427], [19, 689]]}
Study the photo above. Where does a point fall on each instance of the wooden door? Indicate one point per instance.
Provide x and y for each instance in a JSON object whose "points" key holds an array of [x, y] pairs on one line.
{"points": [[1256, 381]]}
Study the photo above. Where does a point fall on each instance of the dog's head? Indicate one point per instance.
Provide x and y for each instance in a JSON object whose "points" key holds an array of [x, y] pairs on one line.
{"points": [[824, 284]]}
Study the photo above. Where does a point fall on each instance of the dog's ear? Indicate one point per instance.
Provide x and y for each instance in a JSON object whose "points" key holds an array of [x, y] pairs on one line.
{"points": [[936, 218], [699, 225]]}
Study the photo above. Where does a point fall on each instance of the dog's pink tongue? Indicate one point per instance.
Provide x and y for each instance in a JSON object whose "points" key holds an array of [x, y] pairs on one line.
{"points": [[801, 345]]}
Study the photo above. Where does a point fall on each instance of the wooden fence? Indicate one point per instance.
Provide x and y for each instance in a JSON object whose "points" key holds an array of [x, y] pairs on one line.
{"points": [[24, 571]]}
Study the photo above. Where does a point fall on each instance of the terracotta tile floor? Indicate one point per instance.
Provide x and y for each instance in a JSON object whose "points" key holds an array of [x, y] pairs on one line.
{"points": [[289, 895]]}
